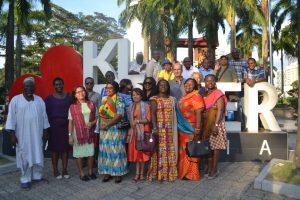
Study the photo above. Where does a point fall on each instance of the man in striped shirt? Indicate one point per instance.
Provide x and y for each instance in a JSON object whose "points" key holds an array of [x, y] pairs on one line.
{"points": [[240, 65]]}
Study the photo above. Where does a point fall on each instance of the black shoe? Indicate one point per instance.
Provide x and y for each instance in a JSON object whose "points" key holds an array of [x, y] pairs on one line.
{"points": [[84, 178], [118, 179], [93, 176], [106, 178]]}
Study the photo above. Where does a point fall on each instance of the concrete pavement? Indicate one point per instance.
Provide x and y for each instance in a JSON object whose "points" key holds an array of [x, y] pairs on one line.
{"points": [[234, 182]]}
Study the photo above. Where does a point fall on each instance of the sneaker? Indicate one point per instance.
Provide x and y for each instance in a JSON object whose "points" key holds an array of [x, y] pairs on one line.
{"points": [[58, 177], [66, 176]]}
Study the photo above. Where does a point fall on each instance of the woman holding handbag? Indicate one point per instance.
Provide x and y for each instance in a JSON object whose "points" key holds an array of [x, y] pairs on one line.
{"points": [[191, 107], [214, 126], [139, 117], [163, 162]]}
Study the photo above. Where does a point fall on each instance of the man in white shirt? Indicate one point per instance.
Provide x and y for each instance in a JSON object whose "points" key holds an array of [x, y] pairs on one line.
{"points": [[138, 66], [188, 69], [153, 67], [26, 121]]}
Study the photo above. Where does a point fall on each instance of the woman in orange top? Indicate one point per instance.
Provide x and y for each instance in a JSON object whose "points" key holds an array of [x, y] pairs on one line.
{"points": [[139, 117], [191, 106]]}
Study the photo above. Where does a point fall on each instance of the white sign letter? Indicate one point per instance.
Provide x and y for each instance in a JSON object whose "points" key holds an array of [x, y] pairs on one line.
{"points": [[252, 109], [265, 147]]}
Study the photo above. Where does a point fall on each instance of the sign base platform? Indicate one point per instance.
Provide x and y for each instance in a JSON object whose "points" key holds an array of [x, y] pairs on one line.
{"points": [[262, 146]]}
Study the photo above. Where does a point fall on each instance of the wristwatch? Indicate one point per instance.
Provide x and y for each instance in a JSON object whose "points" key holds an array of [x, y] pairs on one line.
{"points": [[137, 121]]}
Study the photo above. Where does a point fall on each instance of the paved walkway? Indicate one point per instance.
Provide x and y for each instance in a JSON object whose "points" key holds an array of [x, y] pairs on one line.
{"points": [[234, 182]]}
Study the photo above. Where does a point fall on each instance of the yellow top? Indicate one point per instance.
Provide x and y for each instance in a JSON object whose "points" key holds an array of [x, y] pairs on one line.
{"points": [[166, 75]]}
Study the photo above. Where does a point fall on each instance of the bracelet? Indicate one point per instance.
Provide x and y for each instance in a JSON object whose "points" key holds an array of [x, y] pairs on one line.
{"points": [[137, 121], [69, 134], [197, 129], [217, 125]]}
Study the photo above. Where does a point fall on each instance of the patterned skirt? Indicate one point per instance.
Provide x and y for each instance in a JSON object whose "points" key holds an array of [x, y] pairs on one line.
{"points": [[163, 163], [112, 158], [220, 140]]}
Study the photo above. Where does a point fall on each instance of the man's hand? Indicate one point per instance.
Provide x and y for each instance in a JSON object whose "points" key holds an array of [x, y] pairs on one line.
{"points": [[217, 67], [13, 139]]}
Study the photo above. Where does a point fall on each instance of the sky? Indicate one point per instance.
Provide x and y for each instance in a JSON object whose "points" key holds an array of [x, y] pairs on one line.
{"points": [[111, 9], [107, 7]]}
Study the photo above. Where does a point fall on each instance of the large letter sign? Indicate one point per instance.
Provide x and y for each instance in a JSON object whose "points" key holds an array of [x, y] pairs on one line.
{"points": [[121, 49], [112, 48], [252, 109]]}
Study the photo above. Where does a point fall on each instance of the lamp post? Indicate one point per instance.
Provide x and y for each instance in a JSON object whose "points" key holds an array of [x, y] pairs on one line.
{"points": [[270, 43]]}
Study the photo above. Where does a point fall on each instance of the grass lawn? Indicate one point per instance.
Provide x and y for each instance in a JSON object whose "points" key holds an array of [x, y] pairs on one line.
{"points": [[283, 172], [4, 161]]}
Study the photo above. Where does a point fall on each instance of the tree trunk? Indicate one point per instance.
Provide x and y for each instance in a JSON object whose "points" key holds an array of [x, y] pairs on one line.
{"points": [[190, 39], [297, 151], [146, 49], [18, 53], [265, 46], [231, 22], [9, 58]]}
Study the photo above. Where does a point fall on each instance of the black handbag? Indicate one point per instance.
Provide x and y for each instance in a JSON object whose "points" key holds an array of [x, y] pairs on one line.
{"points": [[197, 148]]}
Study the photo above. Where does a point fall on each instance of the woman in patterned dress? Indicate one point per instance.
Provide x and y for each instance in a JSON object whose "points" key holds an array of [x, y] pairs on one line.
{"points": [[191, 106], [81, 134], [112, 159], [163, 163], [214, 125]]}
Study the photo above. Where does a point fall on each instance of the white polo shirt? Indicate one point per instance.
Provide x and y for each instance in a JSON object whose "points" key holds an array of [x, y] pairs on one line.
{"points": [[188, 73]]}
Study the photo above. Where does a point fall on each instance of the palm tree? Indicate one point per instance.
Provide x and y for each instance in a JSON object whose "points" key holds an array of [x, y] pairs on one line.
{"points": [[248, 31], [23, 8], [209, 19], [154, 16], [286, 10], [265, 45]]}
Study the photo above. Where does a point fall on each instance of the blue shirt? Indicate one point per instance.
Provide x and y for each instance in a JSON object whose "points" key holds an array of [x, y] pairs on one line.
{"points": [[254, 74], [205, 72]]}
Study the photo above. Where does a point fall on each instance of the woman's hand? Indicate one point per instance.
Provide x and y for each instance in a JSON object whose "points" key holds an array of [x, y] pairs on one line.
{"points": [[71, 141], [197, 133], [155, 131], [103, 127], [134, 123], [89, 125]]}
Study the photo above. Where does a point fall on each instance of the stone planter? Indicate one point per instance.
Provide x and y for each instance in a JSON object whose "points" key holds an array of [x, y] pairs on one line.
{"points": [[285, 113]]}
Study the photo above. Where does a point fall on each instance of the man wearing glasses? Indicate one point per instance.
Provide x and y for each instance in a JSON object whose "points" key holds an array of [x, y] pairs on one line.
{"points": [[177, 84], [89, 86]]}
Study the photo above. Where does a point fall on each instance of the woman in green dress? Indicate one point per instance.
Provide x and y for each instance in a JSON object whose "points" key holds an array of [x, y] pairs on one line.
{"points": [[81, 120]]}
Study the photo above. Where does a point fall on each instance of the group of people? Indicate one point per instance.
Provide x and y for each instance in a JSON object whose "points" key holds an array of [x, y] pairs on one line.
{"points": [[105, 128]]}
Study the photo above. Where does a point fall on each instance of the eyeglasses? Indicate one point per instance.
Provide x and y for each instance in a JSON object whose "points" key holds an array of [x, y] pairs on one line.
{"points": [[89, 83], [148, 83], [109, 88], [80, 91]]}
